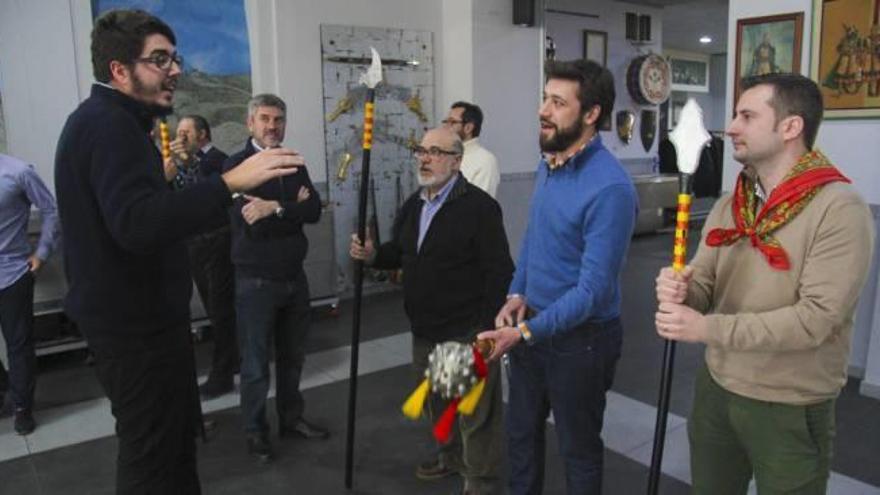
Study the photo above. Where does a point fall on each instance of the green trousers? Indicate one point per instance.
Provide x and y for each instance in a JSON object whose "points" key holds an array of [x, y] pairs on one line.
{"points": [[476, 445], [786, 448]]}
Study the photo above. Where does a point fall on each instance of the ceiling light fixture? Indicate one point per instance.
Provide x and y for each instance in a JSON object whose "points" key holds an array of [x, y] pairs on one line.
{"points": [[705, 40]]}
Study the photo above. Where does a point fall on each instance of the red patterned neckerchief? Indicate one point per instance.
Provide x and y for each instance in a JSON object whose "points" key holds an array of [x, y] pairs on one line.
{"points": [[795, 191]]}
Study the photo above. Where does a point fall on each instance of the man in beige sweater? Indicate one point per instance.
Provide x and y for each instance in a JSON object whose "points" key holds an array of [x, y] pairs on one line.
{"points": [[771, 291]]}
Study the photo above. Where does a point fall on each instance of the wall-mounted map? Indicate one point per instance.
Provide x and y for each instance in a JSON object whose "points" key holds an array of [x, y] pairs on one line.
{"points": [[216, 80]]}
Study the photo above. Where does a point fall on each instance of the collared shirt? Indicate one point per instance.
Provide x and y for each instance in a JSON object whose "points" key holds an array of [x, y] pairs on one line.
{"points": [[20, 186], [480, 167], [257, 146], [205, 149], [431, 206], [555, 160]]}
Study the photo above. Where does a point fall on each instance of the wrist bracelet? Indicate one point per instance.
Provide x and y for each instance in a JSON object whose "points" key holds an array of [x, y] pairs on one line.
{"points": [[525, 332]]}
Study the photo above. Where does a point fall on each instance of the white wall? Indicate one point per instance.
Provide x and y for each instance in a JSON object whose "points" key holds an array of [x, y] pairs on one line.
{"points": [[40, 81], [457, 56], [566, 30], [852, 145], [507, 84]]}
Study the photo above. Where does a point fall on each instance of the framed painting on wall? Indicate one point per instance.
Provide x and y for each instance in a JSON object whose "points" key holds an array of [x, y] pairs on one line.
{"points": [[767, 45], [846, 56], [596, 46], [690, 71]]}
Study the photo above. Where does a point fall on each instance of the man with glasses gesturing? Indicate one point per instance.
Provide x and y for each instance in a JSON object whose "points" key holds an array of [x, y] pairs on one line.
{"points": [[129, 287], [449, 239]]}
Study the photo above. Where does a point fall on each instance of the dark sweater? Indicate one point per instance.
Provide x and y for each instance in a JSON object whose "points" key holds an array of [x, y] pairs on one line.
{"points": [[211, 163], [456, 283], [273, 247], [128, 275], [207, 165]]}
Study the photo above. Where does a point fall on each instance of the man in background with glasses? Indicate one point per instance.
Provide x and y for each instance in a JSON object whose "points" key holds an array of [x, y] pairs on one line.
{"points": [[449, 239], [478, 165], [194, 159], [129, 289]]}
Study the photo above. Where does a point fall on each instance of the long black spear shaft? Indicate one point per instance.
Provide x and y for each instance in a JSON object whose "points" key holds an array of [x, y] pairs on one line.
{"points": [[685, 187], [358, 284]]}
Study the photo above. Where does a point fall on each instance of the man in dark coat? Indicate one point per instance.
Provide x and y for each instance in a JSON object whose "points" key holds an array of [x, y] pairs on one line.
{"points": [[129, 288], [449, 239], [272, 293]]}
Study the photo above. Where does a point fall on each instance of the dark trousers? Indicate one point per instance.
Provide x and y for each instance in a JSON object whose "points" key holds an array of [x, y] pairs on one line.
{"points": [[154, 398], [568, 374], [17, 324], [786, 447], [214, 277], [270, 310], [475, 446]]}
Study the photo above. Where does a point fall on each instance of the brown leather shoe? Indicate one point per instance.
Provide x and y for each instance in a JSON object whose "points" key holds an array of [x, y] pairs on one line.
{"points": [[434, 469]]}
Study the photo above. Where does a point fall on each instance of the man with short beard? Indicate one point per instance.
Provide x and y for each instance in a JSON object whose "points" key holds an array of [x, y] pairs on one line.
{"points": [[561, 323], [129, 288], [449, 239]]}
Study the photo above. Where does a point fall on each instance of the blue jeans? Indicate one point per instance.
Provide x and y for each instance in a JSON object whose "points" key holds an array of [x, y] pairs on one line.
{"points": [[568, 374], [269, 310]]}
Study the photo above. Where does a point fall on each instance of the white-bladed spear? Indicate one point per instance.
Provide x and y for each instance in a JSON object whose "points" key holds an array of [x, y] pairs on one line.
{"points": [[689, 138], [370, 79]]}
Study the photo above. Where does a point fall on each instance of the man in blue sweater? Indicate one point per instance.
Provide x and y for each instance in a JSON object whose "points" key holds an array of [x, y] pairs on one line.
{"points": [[129, 287], [561, 323]]}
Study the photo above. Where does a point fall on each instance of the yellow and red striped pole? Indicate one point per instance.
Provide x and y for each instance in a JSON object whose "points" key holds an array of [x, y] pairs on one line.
{"points": [[164, 139], [689, 138], [682, 217], [679, 261]]}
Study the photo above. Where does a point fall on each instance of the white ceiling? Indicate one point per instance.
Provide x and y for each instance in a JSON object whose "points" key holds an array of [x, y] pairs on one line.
{"points": [[685, 21]]}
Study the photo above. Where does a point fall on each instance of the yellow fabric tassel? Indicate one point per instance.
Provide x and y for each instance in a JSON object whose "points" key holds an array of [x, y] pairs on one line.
{"points": [[412, 408], [469, 402]]}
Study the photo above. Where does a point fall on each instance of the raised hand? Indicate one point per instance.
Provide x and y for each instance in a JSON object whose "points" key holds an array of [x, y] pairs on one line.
{"points": [[262, 167]]}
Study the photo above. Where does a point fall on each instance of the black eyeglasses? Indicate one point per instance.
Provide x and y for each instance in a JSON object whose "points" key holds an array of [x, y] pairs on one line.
{"points": [[162, 60], [451, 121], [433, 152]]}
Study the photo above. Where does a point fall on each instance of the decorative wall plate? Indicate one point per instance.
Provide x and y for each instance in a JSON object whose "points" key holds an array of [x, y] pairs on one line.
{"points": [[648, 79]]}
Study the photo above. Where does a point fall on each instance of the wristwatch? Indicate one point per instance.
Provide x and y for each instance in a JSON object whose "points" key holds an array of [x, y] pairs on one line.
{"points": [[279, 212]]}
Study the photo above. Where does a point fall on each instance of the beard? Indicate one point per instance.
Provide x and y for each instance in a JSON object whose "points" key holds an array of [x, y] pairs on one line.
{"points": [[564, 137], [147, 94], [434, 179]]}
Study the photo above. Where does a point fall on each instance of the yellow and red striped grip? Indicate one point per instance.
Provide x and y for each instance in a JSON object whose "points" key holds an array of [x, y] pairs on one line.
{"points": [[165, 140], [368, 125], [682, 216]]}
